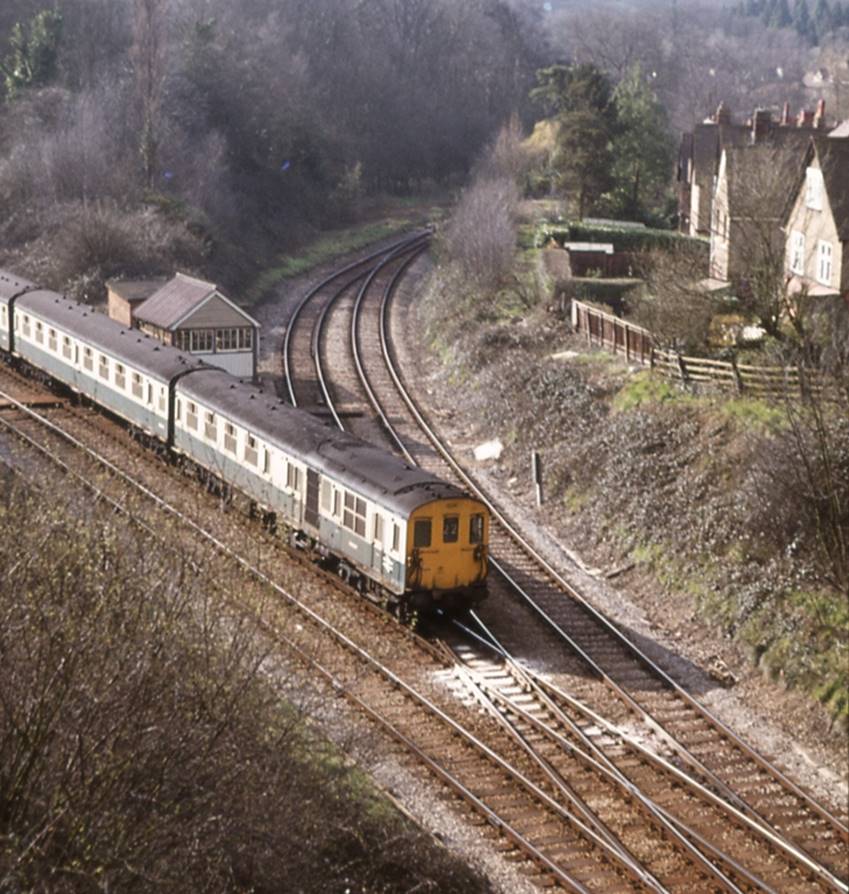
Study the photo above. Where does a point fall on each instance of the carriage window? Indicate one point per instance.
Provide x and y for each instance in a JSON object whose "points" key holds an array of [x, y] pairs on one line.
{"points": [[421, 532], [266, 462], [162, 396], [326, 496], [104, 367], [210, 428], [25, 325], [229, 437], [250, 450], [396, 537], [336, 503], [378, 527], [354, 517], [39, 334], [450, 529], [51, 339], [293, 477], [137, 387], [120, 378], [88, 359], [66, 347], [476, 529]]}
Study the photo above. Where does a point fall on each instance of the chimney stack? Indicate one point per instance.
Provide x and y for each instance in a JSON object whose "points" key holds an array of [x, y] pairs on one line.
{"points": [[785, 114], [819, 115], [761, 125], [723, 114], [805, 119]]}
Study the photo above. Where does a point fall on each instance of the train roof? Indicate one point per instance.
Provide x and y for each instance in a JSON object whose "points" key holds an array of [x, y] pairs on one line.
{"points": [[11, 284], [376, 474], [140, 351]]}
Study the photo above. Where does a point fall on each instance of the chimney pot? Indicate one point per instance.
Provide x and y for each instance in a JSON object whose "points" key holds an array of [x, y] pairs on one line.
{"points": [[723, 114], [785, 114], [819, 116], [761, 124]]}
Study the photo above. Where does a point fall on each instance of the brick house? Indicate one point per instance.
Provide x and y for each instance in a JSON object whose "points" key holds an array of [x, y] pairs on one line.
{"points": [[816, 220], [753, 184], [700, 153]]}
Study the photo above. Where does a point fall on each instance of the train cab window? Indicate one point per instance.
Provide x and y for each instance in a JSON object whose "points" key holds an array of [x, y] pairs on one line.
{"points": [[88, 359], [396, 537], [39, 332], [230, 437], [354, 516], [210, 427], [378, 527], [251, 450], [422, 532], [137, 385], [120, 376], [66, 347], [450, 529], [104, 367], [476, 528]]}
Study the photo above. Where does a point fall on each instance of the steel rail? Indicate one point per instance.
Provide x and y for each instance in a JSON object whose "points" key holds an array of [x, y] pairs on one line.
{"points": [[290, 326], [321, 623], [548, 691], [321, 320], [634, 650]]}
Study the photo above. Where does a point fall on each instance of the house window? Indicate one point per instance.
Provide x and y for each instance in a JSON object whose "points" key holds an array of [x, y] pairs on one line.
{"points": [[192, 415], [210, 427], [229, 437], [202, 341], [354, 516], [813, 189], [251, 450], [120, 376], [66, 347], [293, 476], [137, 386], [88, 359], [797, 252], [824, 263]]}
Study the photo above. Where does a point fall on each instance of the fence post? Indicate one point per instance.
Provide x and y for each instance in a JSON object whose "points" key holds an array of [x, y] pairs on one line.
{"points": [[627, 342], [536, 473], [651, 357], [682, 368], [737, 377]]}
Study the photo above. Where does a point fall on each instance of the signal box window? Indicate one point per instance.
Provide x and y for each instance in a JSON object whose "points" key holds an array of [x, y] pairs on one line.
{"points": [[476, 529], [450, 529], [422, 533]]}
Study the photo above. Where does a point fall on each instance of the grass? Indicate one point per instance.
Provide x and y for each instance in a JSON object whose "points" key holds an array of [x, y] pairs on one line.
{"points": [[644, 388], [325, 248], [752, 413]]}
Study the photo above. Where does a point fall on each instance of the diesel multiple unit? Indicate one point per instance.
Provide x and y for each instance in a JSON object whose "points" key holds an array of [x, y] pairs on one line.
{"points": [[403, 535]]}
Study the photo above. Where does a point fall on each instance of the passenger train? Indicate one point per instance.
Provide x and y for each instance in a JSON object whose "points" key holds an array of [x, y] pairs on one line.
{"points": [[403, 536]]}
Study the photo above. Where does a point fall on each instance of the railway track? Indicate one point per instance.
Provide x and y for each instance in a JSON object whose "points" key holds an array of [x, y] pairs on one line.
{"points": [[784, 839], [399, 680]]}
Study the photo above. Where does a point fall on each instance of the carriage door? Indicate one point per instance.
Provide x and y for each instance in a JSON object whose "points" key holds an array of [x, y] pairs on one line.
{"points": [[311, 508]]}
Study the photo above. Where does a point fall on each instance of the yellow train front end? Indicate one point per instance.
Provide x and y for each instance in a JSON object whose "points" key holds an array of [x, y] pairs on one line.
{"points": [[447, 548]]}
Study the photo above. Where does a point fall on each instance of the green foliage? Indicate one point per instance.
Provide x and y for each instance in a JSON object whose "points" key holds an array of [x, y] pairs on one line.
{"points": [[632, 239], [601, 291], [750, 413], [34, 52], [642, 149]]}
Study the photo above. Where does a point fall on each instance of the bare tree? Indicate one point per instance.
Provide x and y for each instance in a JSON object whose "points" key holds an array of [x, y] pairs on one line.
{"points": [[148, 55]]}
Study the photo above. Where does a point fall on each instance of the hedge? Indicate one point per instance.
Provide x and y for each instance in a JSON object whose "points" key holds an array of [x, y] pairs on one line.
{"points": [[624, 238]]}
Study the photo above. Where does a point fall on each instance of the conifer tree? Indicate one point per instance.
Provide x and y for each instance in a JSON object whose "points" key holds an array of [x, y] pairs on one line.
{"points": [[781, 17]]}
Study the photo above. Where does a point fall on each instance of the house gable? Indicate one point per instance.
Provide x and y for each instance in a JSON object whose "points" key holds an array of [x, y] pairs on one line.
{"points": [[816, 226]]}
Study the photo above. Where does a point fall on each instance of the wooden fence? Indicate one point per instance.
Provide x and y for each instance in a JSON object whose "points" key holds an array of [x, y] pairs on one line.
{"points": [[637, 345]]}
